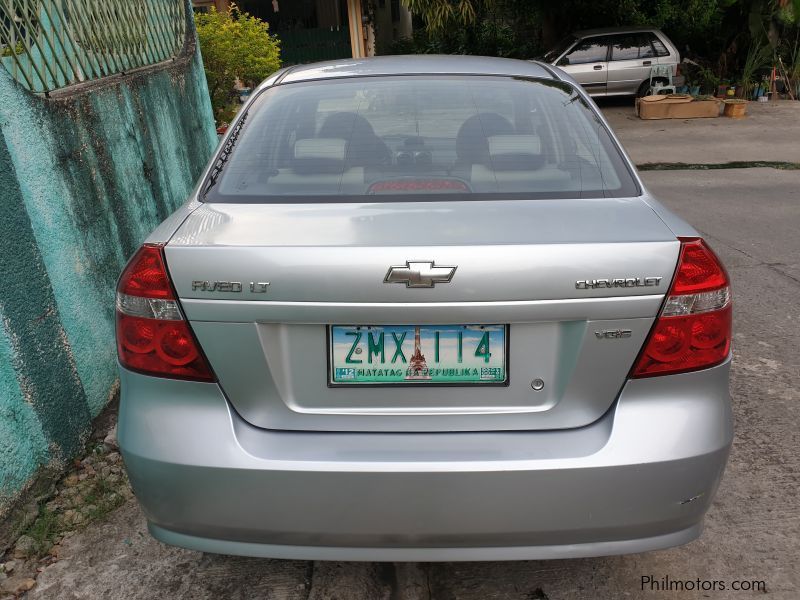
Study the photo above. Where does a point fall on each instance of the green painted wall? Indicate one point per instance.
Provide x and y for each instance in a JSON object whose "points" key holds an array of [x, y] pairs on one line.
{"points": [[84, 176]]}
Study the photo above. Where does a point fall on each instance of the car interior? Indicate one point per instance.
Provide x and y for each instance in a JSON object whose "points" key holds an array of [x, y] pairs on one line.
{"points": [[371, 140]]}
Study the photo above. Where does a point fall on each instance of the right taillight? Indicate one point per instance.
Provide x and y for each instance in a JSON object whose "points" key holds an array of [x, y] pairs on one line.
{"points": [[152, 336], [693, 330]]}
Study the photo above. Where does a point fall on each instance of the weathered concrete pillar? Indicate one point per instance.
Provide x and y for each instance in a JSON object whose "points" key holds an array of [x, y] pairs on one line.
{"points": [[356, 22]]}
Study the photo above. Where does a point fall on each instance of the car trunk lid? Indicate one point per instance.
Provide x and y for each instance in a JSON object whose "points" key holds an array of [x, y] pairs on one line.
{"points": [[577, 282]]}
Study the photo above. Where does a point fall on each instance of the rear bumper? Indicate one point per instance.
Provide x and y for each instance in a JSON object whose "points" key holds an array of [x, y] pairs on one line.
{"points": [[640, 478]]}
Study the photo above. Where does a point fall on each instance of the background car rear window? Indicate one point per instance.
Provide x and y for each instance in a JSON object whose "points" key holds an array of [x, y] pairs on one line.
{"points": [[658, 45], [631, 47], [417, 138]]}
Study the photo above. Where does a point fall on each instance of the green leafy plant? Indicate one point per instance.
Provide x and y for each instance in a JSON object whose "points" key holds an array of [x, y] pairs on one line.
{"points": [[710, 80], [758, 55], [507, 28], [793, 63], [439, 14], [235, 46], [43, 532], [19, 48]]}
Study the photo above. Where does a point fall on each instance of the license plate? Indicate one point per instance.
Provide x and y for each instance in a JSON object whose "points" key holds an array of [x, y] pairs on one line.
{"points": [[417, 355]]}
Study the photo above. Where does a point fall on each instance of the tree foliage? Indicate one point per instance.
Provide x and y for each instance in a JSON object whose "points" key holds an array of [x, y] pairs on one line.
{"points": [[718, 33], [690, 14], [235, 45], [439, 14]]}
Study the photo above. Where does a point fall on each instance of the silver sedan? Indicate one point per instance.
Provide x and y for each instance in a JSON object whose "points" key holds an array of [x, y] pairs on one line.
{"points": [[423, 308]]}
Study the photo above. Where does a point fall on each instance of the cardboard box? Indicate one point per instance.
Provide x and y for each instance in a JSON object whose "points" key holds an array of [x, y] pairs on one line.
{"points": [[676, 107]]}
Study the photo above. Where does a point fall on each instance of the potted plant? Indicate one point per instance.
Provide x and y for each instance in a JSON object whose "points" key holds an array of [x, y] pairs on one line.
{"points": [[793, 65], [710, 82], [758, 55], [690, 85], [761, 89]]}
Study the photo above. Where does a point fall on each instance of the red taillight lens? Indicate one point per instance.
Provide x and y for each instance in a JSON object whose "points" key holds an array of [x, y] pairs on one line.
{"points": [[152, 335], [699, 270], [146, 275], [694, 328], [688, 343]]}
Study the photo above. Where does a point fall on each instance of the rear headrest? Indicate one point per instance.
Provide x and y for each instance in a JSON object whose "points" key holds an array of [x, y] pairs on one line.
{"points": [[320, 155], [515, 152], [514, 144], [471, 142], [327, 148]]}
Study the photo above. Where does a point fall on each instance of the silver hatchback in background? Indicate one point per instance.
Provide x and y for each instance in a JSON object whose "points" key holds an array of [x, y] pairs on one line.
{"points": [[614, 61], [423, 308]]}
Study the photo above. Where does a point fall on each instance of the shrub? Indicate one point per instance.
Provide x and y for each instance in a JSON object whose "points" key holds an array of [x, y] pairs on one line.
{"points": [[235, 45]]}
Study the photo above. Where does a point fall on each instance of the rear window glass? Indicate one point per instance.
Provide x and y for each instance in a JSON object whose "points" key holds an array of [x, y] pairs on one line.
{"points": [[591, 50], [631, 47], [562, 47], [660, 48], [417, 138]]}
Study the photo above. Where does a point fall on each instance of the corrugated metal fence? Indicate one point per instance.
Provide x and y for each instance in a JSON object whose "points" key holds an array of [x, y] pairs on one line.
{"points": [[50, 44]]}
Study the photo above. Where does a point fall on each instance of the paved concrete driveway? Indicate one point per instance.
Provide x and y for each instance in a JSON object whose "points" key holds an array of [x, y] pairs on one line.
{"points": [[769, 133], [752, 218]]}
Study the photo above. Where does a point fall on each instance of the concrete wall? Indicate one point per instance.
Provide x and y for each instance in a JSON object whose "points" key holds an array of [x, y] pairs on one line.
{"points": [[84, 176]]}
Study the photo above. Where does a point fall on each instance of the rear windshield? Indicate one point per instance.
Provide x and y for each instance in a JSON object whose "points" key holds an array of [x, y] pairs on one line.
{"points": [[419, 138]]}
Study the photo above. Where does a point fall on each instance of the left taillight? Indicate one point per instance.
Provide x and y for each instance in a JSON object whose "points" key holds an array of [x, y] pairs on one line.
{"points": [[152, 336]]}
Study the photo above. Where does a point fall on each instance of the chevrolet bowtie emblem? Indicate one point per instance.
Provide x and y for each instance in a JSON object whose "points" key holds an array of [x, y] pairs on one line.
{"points": [[419, 274]]}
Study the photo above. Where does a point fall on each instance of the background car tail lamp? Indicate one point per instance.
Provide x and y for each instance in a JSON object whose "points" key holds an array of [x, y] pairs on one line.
{"points": [[152, 335], [694, 329]]}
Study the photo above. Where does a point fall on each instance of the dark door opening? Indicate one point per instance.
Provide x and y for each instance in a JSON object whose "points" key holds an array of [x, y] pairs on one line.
{"points": [[309, 30]]}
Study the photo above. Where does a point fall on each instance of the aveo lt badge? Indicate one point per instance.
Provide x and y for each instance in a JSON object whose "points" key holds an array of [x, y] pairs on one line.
{"points": [[256, 287]]}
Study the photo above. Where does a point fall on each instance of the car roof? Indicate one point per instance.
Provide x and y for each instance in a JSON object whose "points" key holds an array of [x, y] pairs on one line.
{"points": [[606, 30], [424, 64]]}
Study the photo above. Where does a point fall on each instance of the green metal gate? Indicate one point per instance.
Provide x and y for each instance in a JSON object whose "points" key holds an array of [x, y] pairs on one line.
{"points": [[50, 44]]}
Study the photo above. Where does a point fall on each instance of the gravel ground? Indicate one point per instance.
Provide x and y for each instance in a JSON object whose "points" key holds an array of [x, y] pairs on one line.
{"points": [[93, 489]]}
